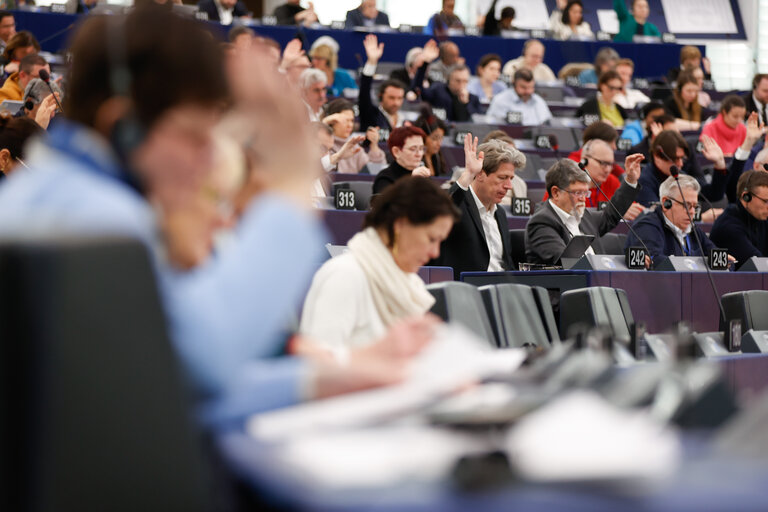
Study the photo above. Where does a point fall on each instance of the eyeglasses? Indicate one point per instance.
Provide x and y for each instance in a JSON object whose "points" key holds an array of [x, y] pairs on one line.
{"points": [[580, 194], [685, 204], [613, 88], [765, 201], [414, 149], [602, 163]]}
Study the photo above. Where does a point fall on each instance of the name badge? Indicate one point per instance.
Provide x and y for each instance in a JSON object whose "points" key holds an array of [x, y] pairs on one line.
{"points": [[514, 117], [345, 199], [471, 31], [201, 15], [459, 137], [521, 207], [602, 35], [602, 205], [590, 119], [641, 83], [718, 259], [635, 258], [405, 28], [59, 8], [440, 113], [623, 144], [337, 25], [668, 37], [542, 142], [269, 20], [539, 34], [573, 81], [697, 214]]}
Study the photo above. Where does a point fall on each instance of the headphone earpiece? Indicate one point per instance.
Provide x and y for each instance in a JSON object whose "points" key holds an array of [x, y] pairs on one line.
{"points": [[746, 197], [666, 204], [29, 105]]}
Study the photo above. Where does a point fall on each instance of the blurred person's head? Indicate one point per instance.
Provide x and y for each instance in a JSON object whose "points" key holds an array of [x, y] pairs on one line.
{"points": [[499, 165], [609, 84], [368, 9], [228, 4], [698, 74], [391, 96], [346, 111], [411, 59], [640, 10], [34, 94], [449, 53], [533, 53], [761, 159], [313, 84], [407, 146], [599, 159], [434, 128], [567, 186], [30, 67], [625, 68], [677, 208], [20, 45], [669, 148], [324, 58], [500, 135], [523, 84], [241, 36], [687, 88], [651, 110], [690, 57], [600, 130], [760, 87], [489, 68], [605, 60], [573, 13], [14, 134], [458, 78], [752, 189], [507, 17], [448, 6], [296, 68], [272, 47], [7, 26], [733, 109], [412, 217]]}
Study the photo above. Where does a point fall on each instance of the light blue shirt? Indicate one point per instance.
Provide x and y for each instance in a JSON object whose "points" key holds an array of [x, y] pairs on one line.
{"points": [[475, 88], [534, 111], [226, 316]]}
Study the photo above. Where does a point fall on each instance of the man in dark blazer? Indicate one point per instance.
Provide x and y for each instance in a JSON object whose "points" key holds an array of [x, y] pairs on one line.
{"points": [[479, 241], [459, 104], [757, 100], [386, 115], [212, 7], [366, 16], [562, 216]]}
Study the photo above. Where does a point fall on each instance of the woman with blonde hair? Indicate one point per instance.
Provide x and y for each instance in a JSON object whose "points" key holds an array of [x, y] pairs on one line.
{"points": [[325, 57]]}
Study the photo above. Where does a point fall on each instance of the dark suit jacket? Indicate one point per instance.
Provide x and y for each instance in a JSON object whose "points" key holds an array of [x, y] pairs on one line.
{"points": [[651, 178], [590, 107], [370, 114], [738, 231], [355, 19], [209, 7], [438, 95], [465, 249], [546, 236], [661, 241]]}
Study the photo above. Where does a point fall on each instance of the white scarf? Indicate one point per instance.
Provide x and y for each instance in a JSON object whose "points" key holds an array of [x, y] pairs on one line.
{"points": [[396, 294]]}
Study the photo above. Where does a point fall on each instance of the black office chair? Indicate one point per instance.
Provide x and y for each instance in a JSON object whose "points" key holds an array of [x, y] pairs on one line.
{"points": [[363, 191], [597, 306], [462, 303], [93, 414], [514, 315], [751, 307], [517, 245], [531, 170], [613, 243]]}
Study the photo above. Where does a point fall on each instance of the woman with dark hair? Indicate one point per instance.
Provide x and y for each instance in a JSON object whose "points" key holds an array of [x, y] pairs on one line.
{"points": [[340, 115], [728, 128], [486, 84], [569, 22], [19, 46], [14, 133], [356, 297], [407, 145], [435, 129], [603, 105], [684, 102]]}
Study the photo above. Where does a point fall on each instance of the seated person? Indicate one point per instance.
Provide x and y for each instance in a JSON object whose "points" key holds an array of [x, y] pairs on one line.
{"points": [[459, 104], [635, 22], [757, 100], [519, 186], [743, 226], [435, 128], [656, 121], [628, 98], [223, 11], [728, 128], [313, 89], [291, 13], [479, 241], [741, 158], [532, 59], [486, 84], [329, 158], [39, 104], [325, 57], [669, 149], [14, 134], [448, 57], [340, 115], [564, 216], [690, 60], [29, 68], [603, 106], [386, 115], [567, 21], [493, 26], [406, 144], [602, 131], [20, 45], [356, 297], [666, 230], [640, 129], [413, 61], [441, 23], [520, 98], [704, 98], [605, 60], [366, 15], [684, 103]]}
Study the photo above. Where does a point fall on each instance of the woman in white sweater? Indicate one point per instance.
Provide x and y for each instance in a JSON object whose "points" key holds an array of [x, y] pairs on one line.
{"points": [[356, 297], [568, 21]]}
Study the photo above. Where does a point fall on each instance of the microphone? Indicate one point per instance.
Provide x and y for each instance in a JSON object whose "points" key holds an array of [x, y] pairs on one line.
{"points": [[583, 166], [553, 143], [57, 33], [45, 77], [674, 171], [765, 166]]}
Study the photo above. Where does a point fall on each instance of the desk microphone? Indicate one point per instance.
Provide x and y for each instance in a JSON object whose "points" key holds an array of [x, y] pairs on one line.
{"points": [[674, 171], [553, 143], [583, 166], [45, 77], [765, 166]]}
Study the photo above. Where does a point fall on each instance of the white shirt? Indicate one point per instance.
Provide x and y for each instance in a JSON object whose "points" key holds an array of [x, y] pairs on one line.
{"points": [[679, 234], [759, 107], [631, 98], [225, 15], [492, 234], [571, 223]]}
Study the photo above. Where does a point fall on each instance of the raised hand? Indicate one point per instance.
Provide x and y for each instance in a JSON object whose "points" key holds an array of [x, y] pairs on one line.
{"points": [[372, 134], [373, 49], [46, 111], [422, 172], [351, 147], [712, 152], [656, 128], [430, 51], [632, 167], [755, 130], [291, 52], [634, 210]]}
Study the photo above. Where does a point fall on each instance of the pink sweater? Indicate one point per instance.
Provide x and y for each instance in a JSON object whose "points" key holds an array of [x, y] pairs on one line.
{"points": [[729, 139], [354, 163]]}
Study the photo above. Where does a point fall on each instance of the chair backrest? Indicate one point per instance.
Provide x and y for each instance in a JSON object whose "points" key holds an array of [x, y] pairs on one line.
{"points": [[363, 191], [531, 170], [547, 315], [597, 306], [93, 413], [514, 315], [613, 243], [462, 303], [517, 245], [751, 307]]}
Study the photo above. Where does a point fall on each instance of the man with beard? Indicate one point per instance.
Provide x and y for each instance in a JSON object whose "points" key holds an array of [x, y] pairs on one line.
{"points": [[564, 214]]}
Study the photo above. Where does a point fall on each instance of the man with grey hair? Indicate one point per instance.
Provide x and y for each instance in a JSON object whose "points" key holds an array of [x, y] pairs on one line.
{"points": [[564, 214], [666, 230], [479, 241], [454, 97], [313, 84], [35, 94]]}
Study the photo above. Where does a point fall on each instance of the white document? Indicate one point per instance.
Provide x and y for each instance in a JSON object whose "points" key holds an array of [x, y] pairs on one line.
{"points": [[699, 16], [609, 21]]}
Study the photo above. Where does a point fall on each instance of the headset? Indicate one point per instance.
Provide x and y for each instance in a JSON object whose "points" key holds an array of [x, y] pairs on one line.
{"points": [[666, 204], [746, 195]]}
